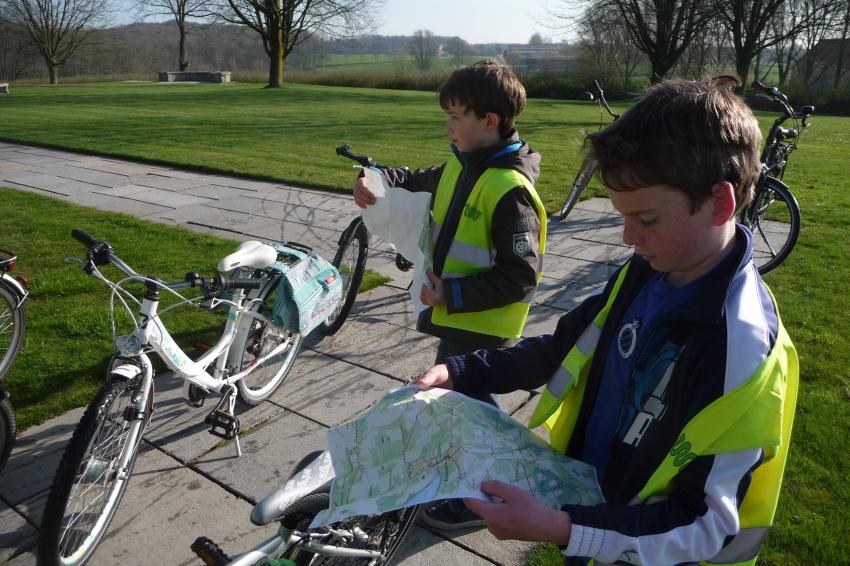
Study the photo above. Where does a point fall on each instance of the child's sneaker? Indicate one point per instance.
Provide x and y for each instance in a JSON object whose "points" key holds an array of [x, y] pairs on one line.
{"points": [[451, 514]]}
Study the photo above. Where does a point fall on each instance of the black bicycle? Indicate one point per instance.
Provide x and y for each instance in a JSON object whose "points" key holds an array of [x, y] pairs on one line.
{"points": [[13, 292], [773, 216], [588, 165]]}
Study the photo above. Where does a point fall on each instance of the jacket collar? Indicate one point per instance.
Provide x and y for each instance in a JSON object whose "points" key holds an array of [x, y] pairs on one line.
{"points": [[483, 154]]}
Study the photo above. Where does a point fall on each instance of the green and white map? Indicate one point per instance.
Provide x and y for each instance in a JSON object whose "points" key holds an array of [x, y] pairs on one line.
{"points": [[414, 446]]}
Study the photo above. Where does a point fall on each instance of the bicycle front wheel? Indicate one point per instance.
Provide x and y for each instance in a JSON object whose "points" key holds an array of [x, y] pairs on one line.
{"points": [[259, 339], [382, 533], [90, 480], [11, 329], [580, 182], [774, 219], [350, 260], [7, 427]]}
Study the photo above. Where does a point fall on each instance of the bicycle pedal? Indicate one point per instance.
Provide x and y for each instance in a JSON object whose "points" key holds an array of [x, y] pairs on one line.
{"points": [[209, 552], [219, 419]]}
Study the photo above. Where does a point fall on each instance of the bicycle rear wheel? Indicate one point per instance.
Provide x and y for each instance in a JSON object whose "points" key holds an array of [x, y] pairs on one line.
{"points": [[11, 329], [382, 533], [89, 483], [774, 219], [259, 338], [350, 260], [580, 182], [8, 427]]}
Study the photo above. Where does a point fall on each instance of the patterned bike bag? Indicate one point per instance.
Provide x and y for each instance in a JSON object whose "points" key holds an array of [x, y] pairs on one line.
{"points": [[309, 290]]}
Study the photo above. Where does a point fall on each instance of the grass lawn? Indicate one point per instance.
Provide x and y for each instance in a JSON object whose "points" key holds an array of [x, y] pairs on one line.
{"points": [[289, 134]]}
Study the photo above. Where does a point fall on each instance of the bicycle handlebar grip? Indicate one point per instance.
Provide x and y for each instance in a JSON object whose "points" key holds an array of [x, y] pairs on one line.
{"points": [[82, 237], [345, 151], [240, 283]]}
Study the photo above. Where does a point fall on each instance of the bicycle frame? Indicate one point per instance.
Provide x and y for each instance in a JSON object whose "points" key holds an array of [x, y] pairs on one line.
{"points": [[286, 539]]}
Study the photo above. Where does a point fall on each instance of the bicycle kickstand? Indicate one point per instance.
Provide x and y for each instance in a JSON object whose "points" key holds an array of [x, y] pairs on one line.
{"points": [[222, 417]]}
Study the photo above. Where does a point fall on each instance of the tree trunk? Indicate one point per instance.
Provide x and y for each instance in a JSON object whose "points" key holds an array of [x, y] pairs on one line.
{"points": [[182, 63], [842, 50], [53, 69], [742, 67], [276, 54]]}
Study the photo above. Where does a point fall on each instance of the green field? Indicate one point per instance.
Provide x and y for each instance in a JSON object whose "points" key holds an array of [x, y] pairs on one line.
{"points": [[289, 135]]}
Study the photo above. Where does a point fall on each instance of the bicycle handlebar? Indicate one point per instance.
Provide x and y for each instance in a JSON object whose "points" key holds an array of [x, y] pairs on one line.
{"points": [[345, 151], [600, 99]]}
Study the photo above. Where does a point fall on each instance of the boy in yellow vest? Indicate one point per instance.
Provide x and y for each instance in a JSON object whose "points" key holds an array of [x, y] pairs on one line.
{"points": [[489, 225], [677, 382]]}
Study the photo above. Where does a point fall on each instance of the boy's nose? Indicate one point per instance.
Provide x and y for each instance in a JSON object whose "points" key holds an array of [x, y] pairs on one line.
{"points": [[631, 231]]}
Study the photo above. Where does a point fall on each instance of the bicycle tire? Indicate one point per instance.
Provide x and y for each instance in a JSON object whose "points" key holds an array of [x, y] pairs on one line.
{"points": [[259, 338], [350, 260], [8, 427], [774, 219], [580, 182], [386, 532], [11, 329], [70, 530]]}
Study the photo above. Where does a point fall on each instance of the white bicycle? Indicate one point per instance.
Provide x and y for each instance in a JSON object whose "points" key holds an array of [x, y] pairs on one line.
{"points": [[368, 540], [250, 361]]}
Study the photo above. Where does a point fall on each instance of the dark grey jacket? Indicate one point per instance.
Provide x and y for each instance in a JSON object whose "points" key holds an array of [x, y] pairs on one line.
{"points": [[513, 276]]}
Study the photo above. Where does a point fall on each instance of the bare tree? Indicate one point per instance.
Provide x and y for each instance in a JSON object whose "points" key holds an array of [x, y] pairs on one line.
{"points": [[56, 28], [423, 47], [606, 43], [458, 48], [535, 39], [843, 38], [283, 24], [661, 29], [180, 10]]}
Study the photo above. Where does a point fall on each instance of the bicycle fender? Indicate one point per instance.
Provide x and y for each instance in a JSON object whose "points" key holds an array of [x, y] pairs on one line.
{"points": [[16, 287], [315, 477], [125, 372]]}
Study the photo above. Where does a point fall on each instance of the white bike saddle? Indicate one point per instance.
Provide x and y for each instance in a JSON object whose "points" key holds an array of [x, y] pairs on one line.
{"points": [[249, 254]]}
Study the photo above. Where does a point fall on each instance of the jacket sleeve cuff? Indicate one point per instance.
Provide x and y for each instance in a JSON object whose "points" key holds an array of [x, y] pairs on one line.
{"points": [[454, 295], [584, 541]]}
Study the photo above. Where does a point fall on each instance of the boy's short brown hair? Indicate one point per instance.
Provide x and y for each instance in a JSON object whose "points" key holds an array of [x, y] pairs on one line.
{"points": [[685, 134], [486, 86]]}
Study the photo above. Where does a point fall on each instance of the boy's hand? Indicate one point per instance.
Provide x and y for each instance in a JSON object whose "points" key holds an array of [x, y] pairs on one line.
{"points": [[437, 376], [363, 197], [433, 297], [520, 516]]}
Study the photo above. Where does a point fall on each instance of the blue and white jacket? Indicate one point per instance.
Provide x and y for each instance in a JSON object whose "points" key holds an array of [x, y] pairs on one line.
{"points": [[711, 346]]}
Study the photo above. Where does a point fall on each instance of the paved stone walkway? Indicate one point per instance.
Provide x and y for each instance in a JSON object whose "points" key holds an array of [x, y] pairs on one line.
{"points": [[185, 482]]}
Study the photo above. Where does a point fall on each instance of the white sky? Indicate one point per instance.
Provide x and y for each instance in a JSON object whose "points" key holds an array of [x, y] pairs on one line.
{"points": [[476, 21]]}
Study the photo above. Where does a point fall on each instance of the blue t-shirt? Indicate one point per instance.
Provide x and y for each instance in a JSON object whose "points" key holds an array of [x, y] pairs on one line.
{"points": [[653, 303]]}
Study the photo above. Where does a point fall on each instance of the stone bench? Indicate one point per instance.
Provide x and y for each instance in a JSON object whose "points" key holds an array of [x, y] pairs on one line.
{"points": [[194, 76], [4, 88]]}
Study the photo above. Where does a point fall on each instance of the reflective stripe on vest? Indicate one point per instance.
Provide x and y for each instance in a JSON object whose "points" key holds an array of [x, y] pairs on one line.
{"points": [[758, 414], [571, 376], [472, 249]]}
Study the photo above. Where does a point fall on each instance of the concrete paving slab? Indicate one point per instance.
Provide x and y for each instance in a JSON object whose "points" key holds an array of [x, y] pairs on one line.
{"points": [[180, 430], [483, 543], [25, 559], [165, 508], [117, 167], [90, 176], [160, 180], [269, 453], [423, 547], [116, 204], [16, 533], [36, 456], [330, 391]]}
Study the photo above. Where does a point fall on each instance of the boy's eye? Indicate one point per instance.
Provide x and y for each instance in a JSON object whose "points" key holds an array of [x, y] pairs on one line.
{"points": [[648, 221]]}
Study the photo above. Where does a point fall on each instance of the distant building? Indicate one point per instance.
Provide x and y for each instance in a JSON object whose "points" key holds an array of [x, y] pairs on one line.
{"points": [[546, 57], [826, 57]]}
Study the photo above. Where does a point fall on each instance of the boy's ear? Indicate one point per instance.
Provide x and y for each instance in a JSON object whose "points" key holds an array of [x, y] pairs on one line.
{"points": [[491, 121], [723, 202]]}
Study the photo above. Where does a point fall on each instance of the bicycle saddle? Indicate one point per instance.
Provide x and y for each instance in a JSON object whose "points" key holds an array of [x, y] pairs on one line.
{"points": [[313, 474], [249, 254]]}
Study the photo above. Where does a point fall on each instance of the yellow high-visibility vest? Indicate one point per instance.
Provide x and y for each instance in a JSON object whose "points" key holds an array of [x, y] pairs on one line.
{"points": [[759, 413], [472, 250]]}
